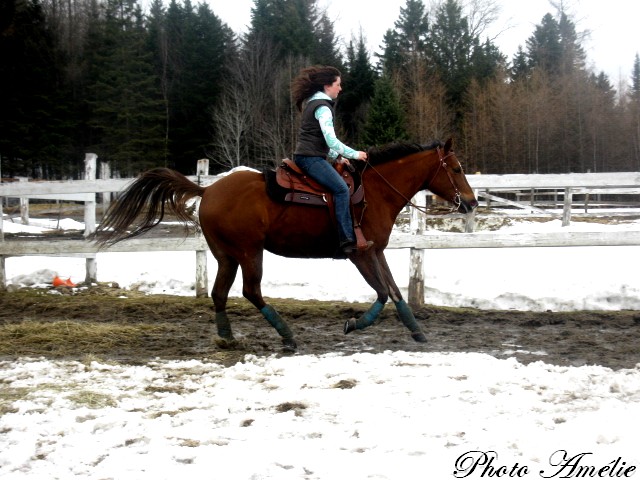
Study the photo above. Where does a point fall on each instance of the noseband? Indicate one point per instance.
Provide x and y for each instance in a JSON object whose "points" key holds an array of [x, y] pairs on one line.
{"points": [[457, 198]]}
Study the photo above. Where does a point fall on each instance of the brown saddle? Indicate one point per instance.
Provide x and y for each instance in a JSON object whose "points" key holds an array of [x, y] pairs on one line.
{"points": [[305, 190]]}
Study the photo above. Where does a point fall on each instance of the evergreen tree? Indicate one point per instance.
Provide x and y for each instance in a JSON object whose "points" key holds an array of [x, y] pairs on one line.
{"points": [[407, 41], [289, 25], [486, 60], [327, 51], [128, 113], [544, 47], [34, 135], [635, 79], [392, 59], [413, 27], [385, 121], [157, 45], [520, 69], [451, 46], [294, 28], [198, 47], [555, 46], [358, 82], [635, 113], [573, 55]]}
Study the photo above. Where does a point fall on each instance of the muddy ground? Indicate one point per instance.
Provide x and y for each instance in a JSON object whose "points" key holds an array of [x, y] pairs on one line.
{"points": [[111, 324], [108, 323]]}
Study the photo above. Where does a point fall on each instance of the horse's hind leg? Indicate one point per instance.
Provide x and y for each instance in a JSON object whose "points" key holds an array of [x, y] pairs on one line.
{"points": [[370, 270], [227, 269], [251, 290]]}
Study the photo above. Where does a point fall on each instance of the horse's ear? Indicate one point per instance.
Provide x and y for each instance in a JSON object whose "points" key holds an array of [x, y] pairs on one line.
{"points": [[448, 145]]}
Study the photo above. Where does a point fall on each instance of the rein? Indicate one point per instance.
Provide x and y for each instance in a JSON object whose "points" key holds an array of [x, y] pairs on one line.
{"points": [[442, 164]]}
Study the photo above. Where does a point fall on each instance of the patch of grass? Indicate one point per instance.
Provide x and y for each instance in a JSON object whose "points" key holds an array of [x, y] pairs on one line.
{"points": [[8, 396], [297, 408], [92, 399], [168, 389], [346, 384], [65, 338]]}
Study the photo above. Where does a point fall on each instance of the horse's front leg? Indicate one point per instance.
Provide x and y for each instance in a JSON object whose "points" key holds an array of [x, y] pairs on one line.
{"points": [[404, 310], [375, 270]]}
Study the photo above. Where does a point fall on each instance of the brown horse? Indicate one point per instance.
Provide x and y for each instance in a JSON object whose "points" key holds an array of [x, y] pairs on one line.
{"points": [[239, 221]]}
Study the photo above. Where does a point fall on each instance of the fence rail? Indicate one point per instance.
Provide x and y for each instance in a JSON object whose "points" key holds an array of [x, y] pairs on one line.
{"points": [[417, 241]]}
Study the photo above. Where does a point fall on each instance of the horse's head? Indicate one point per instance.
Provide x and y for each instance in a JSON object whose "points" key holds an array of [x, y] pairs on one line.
{"points": [[450, 182]]}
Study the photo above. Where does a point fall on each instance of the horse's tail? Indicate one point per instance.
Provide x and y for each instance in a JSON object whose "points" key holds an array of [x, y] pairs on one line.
{"points": [[144, 203]]}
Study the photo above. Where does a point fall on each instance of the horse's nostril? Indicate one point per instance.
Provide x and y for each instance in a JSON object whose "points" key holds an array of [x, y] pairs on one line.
{"points": [[468, 207]]}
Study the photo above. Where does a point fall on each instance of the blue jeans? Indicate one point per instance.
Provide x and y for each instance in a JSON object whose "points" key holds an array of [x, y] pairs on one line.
{"points": [[323, 172]]}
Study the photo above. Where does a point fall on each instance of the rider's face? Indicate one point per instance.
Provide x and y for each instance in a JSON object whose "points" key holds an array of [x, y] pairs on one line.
{"points": [[334, 89]]}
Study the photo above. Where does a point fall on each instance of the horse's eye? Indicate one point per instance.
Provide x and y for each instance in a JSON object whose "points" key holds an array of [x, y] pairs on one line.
{"points": [[457, 170]]}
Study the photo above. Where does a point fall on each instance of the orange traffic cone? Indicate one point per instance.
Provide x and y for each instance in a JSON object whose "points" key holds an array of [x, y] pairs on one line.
{"points": [[58, 282]]}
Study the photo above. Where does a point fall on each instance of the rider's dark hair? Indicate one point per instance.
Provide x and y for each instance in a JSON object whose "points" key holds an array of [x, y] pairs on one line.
{"points": [[311, 80]]}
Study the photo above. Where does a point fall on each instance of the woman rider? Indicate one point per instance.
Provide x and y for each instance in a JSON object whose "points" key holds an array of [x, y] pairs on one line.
{"points": [[314, 92]]}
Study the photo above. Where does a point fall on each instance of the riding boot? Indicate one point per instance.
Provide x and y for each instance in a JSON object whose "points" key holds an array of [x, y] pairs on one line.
{"points": [[362, 243]]}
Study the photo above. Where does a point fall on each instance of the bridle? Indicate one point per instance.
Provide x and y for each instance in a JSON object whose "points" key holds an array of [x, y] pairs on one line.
{"points": [[457, 198]]}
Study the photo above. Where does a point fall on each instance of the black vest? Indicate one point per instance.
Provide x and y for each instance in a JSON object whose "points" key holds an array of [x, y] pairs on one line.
{"points": [[311, 142]]}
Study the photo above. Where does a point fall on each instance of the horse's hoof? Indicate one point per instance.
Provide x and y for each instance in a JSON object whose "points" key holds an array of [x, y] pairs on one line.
{"points": [[289, 345], [349, 325], [419, 337], [227, 343]]}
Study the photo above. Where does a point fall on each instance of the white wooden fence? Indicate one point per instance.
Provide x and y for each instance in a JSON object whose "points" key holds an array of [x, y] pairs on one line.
{"points": [[485, 186]]}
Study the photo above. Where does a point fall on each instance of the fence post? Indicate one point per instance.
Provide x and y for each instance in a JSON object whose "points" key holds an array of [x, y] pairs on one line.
{"points": [[416, 257], [3, 274], [201, 274], [91, 264], [24, 204], [105, 197], [470, 219], [202, 169], [566, 211]]}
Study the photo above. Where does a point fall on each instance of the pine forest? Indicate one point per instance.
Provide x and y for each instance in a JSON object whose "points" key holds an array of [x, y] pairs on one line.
{"points": [[157, 84]]}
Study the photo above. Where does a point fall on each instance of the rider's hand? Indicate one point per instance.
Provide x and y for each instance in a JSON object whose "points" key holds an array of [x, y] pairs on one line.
{"points": [[362, 156], [346, 163]]}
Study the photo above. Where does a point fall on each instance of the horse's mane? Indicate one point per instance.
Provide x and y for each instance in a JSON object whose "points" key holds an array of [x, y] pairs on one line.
{"points": [[394, 151]]}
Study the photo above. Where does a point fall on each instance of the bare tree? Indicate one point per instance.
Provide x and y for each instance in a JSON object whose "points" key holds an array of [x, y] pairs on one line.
{"points": [[428, 114], [480, 15], [231, 119], [255, 121]]}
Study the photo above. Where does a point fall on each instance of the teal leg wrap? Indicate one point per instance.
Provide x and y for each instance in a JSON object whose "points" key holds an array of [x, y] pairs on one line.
{"points": [[370, 316], [406, 316], [224, 327], [276, 321]]}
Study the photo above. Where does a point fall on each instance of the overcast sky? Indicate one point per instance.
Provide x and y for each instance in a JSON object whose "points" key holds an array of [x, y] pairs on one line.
{"points": [[614, 25]]}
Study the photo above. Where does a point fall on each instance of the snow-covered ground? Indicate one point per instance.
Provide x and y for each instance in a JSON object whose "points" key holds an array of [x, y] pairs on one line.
{"points": [[395, 415]]}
